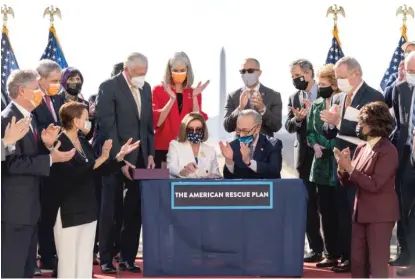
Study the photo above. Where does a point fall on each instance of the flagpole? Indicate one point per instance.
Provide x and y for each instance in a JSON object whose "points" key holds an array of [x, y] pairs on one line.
{"points": [[334, 10], [404, 11]]}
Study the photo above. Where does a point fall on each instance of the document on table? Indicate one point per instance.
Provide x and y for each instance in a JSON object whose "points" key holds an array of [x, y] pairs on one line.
{"points": [[351, 114]]}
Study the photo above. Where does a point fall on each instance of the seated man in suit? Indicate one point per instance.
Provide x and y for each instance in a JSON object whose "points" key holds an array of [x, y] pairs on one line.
{"points": [[251, 154]]}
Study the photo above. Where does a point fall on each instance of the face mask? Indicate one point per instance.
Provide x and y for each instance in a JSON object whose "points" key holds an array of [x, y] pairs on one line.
{"points": [[194, 137], [344, 85], [87, 125], [300, 83], [410, 78], [325, 92], [178, 77], [74, 88], [359, 133], [37, 98], [53, 89], [138, 81], [248, 140], [250, 79]]}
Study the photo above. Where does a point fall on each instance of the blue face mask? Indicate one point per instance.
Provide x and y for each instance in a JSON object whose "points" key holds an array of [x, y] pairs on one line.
{"points": [[248, 140], [194, 137]]}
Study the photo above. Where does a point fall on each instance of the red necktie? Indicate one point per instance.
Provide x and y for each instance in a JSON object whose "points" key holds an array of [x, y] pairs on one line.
{"points": [[48, 100]]}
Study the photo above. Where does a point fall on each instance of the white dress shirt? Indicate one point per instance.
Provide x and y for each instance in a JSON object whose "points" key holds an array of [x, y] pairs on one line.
{"points": [[255, 89], [180, 154]]}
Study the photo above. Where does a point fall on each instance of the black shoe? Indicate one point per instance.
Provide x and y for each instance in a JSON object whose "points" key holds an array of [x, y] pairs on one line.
{"points": [[108, 269], [401, 259], [409, 271], [327, 263], [313, 257], [129, 267], [343, 267], [37, 272]]}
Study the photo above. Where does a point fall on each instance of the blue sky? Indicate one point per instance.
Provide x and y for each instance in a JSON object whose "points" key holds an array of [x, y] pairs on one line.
{"points": [[97, 34]]}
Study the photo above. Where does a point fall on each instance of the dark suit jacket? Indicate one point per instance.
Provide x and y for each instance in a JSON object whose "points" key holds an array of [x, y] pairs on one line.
{"points": [[43, 116], [402, 105], [303, 153], [117, 116], [374, 178], [393, 79], [271, 120], [267, 154], [363, 96], [75, 183], [20, 176]]}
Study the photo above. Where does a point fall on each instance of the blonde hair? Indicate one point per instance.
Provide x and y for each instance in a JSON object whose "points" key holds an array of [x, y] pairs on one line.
{"points": [[186, 121], [327, 72]]}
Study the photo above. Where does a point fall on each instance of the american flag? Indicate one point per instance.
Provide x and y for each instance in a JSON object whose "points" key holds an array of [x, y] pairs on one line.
{"points": [[8, 61], [335, 52], [397, 57], [53, 50]]}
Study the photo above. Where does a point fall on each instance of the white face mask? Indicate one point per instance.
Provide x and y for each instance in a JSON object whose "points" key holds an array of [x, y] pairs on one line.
{"points": [[138, 81], [410, 78], [87, 125], [344, 85]]}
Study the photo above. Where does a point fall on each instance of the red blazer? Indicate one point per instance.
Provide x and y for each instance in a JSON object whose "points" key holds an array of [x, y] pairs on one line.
{"points": [[169, 130], [374, 177]]}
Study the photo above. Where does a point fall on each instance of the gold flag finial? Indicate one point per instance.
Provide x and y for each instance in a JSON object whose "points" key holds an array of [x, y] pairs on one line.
{"points": [[334, 10], [52, 11], [5, 11], [404, 11]]}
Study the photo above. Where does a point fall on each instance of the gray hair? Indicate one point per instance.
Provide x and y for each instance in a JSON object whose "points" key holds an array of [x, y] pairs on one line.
{"points": [[304, 65], [20, 78], [252, 113], [351, 63], [255, 61], [136, 59], [179, 58], [46, 67]]}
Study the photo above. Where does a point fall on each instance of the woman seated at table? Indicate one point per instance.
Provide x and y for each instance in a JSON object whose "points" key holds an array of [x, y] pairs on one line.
{"points": [[189, 156], [76, 220], [372, 171]]}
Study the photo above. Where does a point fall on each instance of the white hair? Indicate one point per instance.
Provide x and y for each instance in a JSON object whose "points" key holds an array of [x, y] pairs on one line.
{"points": [[20, 78], [252, 113], [179, 58], [46, 67], [136, 59]]}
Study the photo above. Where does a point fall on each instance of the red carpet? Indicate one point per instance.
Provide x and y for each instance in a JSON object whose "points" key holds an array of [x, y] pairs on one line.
{"points": [[310, 271]]}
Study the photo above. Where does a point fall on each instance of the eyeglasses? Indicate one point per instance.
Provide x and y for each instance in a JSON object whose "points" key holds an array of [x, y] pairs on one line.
{"points": [[245, 131], [249, 71], [195, 130]]}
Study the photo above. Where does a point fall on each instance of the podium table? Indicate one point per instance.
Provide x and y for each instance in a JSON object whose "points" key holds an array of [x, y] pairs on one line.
{"points": [[208, 227]]}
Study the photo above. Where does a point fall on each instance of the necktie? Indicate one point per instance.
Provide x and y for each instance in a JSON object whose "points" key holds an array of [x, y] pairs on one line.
{"points": [[48, 104], [34, 131], [251, 152], [137, 98], [348, 100]]}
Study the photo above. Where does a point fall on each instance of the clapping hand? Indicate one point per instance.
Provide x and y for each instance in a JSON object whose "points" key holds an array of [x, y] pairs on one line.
{"points": [[343, 158], [59, 156], [257, 101], [126, 149], [226, 151], [307, 104], [16, 131], [49, 135], [299, 113], [200, 87], [243, 99], [331, 116], [106, 148], [169, 91], [245, 153]]}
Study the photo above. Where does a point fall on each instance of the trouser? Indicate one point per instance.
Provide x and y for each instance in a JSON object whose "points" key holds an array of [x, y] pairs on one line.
{"points": [[111, 217], [74, 246], [411, 237], [160, 157], [328, 211], [345, 203], [49, 209], [407, 199], [18, 250], [98, 190], [314, 238], [370, 249]]}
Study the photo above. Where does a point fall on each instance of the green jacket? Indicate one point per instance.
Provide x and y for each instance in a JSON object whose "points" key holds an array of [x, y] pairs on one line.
{"points": [[323, 169]]}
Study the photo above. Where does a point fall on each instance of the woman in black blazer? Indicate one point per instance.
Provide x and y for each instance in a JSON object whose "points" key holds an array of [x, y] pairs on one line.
{"points": [[76, 220]]}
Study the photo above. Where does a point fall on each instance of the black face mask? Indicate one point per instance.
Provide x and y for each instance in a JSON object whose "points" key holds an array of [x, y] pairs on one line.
{"points": [[359, 133], [74, 88], [325, 92], [300, 83]]}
